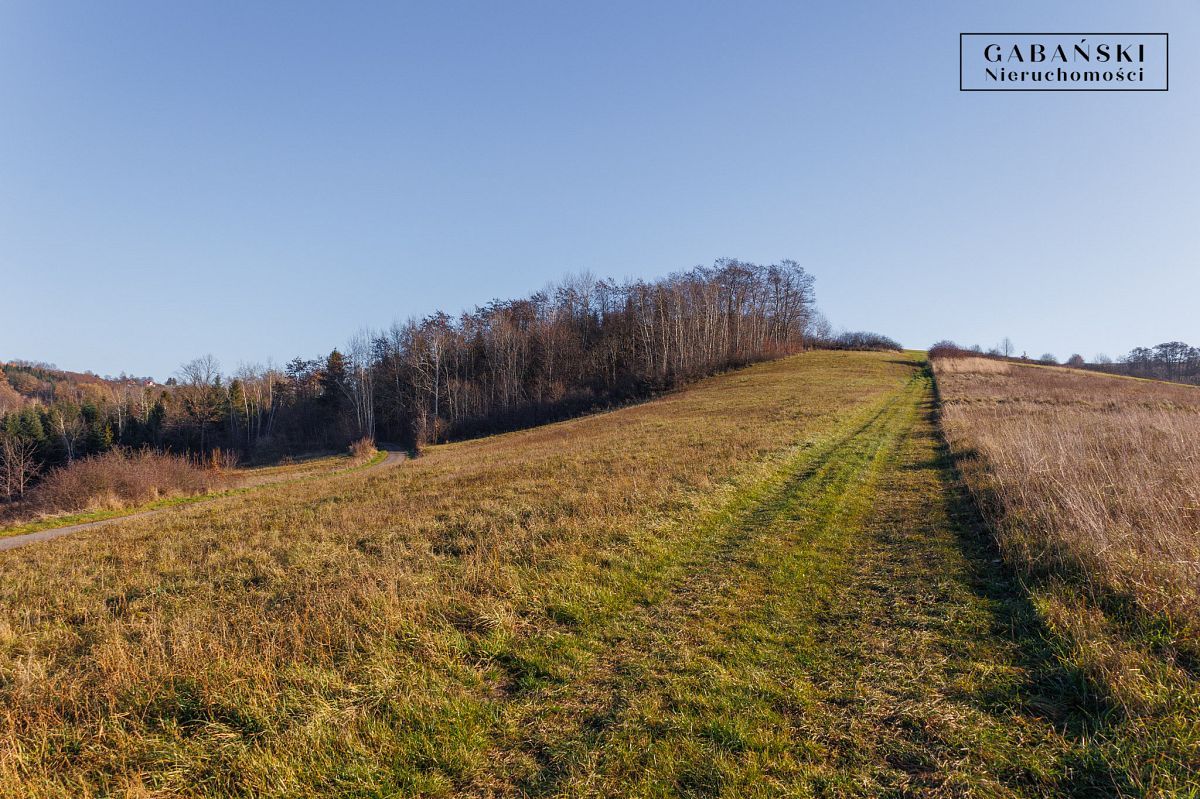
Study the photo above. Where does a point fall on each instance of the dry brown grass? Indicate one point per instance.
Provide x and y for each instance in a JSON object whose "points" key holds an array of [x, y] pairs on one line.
{"points": [[1091, 485], [363, 449], [318, 637], [1087, 474], [973, 366]]}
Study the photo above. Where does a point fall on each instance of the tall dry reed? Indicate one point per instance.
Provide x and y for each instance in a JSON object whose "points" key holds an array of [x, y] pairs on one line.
{"points": [[1090, 477]]}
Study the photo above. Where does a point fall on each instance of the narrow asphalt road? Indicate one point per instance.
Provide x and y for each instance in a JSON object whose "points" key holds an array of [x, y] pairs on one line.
{"points": [[392, 458]]}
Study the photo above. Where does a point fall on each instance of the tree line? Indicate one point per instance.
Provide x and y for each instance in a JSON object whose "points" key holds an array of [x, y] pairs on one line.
{"points": [[579, 345], [1171, 360]]}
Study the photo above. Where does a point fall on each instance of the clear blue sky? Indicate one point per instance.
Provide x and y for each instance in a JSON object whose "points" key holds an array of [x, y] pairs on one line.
{"points": [[261, 179]]}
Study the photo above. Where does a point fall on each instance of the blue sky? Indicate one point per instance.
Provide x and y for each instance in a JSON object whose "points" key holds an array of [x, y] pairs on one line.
{"points": [[259, 180]]}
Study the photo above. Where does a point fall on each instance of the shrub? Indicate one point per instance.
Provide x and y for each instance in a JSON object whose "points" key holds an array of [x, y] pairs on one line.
{"points": [[120, 478], [948, 349], [220, 460], [362, 449], [862, 340]]}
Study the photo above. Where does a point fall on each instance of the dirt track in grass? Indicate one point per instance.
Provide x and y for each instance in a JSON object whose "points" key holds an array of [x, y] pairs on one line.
{"points": [[841, 628], [769, 584]]}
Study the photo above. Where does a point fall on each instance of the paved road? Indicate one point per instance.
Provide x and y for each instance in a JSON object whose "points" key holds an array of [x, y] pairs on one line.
{"points": [[393, 457]]}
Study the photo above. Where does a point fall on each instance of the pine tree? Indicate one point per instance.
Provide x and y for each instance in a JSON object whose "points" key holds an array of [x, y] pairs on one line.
{"points": [[333, 381], [155, 421]]}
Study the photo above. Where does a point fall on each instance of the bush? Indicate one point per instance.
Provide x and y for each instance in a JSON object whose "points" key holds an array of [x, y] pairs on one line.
{"points": [[862, 340], [220, 460], [120, 478], [363, 449], [948, 349]]}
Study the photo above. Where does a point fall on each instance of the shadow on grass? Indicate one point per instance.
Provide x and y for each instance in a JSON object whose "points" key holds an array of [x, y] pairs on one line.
{"points": [[1052, 691]]}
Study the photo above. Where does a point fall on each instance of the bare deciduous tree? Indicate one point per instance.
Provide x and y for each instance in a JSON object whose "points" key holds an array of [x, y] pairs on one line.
{"points": [[18, 466], [201, 395]]}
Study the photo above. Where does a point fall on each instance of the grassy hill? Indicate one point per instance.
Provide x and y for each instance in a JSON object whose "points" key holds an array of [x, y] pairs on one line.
{"points": [[1091, 485], [768, 584]]}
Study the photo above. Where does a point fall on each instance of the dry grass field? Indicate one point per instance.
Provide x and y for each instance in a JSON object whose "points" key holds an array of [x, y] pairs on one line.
{"points": [[335, 634], [1091, 485], [121, 483], [769, 584]]}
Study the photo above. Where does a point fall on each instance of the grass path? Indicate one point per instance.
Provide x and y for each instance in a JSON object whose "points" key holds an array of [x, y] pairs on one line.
{"points": [[838, 629], [770, 585]]}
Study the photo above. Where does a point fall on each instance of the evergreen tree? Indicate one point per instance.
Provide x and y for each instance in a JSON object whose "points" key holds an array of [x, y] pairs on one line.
{"points": [[333, 381], [155, 421]]}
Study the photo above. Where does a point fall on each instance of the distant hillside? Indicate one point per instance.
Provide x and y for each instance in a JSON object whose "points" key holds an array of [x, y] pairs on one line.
{"points": [[26, 381], [578, 346], [1172, 361]]}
